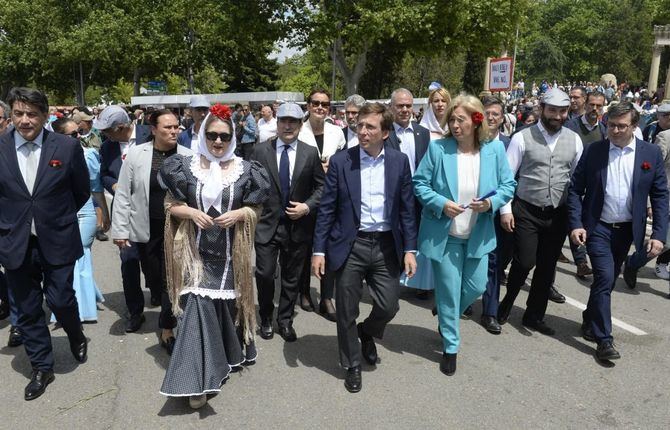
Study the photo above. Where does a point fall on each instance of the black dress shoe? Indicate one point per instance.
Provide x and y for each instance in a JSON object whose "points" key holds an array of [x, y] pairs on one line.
{"points": [[306, 303], [538, 326], [134, 323], [467, 313], [327, 309], [448, 364], [629, 274], [555, 296], [587, 333], [368, 347], [504, 310], [38, 383], [168, 344], [4, 309], [607, 352], [287, 333], [491, 325], [353, 381], [562, 258], [266, 329], [155, 301], [15, 338], [101, 236], [80, 349]]}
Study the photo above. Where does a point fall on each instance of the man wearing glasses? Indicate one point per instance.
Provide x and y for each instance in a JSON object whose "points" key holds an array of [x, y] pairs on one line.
{"points": [[607, 204], [121, 135], [199, 105]]}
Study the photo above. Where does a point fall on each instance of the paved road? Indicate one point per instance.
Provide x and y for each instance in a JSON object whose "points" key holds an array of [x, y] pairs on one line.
{"points": [[516, 380]]}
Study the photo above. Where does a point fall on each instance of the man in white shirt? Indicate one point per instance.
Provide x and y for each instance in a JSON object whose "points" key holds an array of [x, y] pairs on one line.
{"points": [[199, 105], [267, 125], [352, 105]]}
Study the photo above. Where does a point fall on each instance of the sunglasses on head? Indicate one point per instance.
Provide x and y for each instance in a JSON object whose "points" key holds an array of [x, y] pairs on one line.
{"points": [[317, 103], [225, 137]]}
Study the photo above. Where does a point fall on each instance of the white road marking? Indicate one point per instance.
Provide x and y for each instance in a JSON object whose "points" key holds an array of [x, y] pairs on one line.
{"points": [[616, 322]]}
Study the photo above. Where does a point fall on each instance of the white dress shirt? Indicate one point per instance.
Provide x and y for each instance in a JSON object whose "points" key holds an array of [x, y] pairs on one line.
{"points": [[352, 138], [125, 146], [405, 137], [22, 151], [195, 141], [291, 156], [618, 203], [267, 129], [373, 193], [517, 147]]}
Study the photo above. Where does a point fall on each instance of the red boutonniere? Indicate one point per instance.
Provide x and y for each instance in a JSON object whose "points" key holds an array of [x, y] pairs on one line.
{"points": [[123, 157], [55, 163], [646, 166], [477, 118], [221, 111]]}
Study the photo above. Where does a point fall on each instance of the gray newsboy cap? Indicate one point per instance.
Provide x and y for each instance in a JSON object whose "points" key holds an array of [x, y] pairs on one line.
{"points": [[556, 97], [290, 110], [199, 101], [110, 117], [664, 108]]}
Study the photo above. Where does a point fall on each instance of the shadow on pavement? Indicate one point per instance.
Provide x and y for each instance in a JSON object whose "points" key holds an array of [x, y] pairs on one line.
{"points": [[175, 406], [315, 351]]}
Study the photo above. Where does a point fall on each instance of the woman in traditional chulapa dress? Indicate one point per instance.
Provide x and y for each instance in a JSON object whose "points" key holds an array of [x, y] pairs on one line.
{"points": [[213, 202]]}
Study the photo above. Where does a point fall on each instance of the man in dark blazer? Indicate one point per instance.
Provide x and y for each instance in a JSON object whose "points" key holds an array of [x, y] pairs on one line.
{"points": [[407, 136], [607, 206], [43, 183], [120, 133], [199, 105], [286, 226], [366, 230]]}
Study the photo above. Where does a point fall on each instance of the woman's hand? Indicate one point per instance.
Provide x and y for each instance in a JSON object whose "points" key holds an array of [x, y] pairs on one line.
{"points": [[452, 209], [480, 206], [227, 219], [201, 219]]}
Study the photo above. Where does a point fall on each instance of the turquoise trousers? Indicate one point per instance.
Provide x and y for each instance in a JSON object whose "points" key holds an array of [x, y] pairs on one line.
{"points": [[458, 282]]}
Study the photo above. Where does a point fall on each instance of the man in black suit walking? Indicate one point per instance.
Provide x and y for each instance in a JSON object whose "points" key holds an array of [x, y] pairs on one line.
{"points": [[43, 183], [286, 225]]}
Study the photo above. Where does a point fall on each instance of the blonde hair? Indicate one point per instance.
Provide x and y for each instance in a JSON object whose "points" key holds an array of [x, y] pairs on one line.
{"points": [[470, 104], [447, 99]]}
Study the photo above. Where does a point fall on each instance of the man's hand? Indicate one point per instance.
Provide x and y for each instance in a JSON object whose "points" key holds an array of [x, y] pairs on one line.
{"points": [[201, 219], [122, 243], [507, 222], [114, 185], [410, 264], [654, 247], [296, 210], [578, 236], [227, 219], [650, 213], [318, 266], [452, 209]]}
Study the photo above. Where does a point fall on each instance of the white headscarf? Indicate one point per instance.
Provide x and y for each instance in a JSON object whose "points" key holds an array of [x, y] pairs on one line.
{"points": [[213, 181], [430, 121]]}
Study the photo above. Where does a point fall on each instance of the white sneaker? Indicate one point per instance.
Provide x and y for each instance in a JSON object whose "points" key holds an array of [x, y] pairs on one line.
{"points": [[197, 402], [662, 271]]}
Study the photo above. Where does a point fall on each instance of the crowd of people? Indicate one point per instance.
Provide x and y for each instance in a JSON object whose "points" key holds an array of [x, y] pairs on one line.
{"points": [[442, 203]]}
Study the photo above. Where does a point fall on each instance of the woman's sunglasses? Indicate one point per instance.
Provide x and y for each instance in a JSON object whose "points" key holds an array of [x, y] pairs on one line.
{"points": [[225, 137]]}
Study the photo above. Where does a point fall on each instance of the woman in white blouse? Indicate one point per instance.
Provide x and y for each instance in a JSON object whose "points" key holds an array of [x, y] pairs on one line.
{"points": [[461, 181]]}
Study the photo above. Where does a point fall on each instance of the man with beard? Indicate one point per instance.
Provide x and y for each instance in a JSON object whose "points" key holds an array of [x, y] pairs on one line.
{"points": [[352, 105], [543, 156]]}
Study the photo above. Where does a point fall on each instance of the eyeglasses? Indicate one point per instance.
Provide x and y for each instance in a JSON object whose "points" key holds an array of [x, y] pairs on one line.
{"points": [[225, 137], [619, 127], [317, 103]]}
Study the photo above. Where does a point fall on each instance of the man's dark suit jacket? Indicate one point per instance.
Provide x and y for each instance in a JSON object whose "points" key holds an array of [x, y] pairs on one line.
{"points": [[339, 216], [61, 189], [306, 187], [110, 157], [421, 141], [185, 137], [586, 194]]}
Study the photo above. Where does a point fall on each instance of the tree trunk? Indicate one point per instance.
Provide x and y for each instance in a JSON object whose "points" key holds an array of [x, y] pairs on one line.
{"points": [[350, 77], [136, 82]]}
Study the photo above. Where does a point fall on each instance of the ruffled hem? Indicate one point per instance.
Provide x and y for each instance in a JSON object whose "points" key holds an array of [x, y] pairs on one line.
{"points": [[212, 294]]}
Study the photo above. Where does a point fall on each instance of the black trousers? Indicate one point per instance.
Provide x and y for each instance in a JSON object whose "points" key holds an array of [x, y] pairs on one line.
{"points": [[33, 281], [150, 256], [538, 240], [499, 259], [327, 283], [292, 258], [373, 258]]}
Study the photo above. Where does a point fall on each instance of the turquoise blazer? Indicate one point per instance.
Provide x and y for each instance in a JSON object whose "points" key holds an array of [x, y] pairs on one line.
{"points": [[436, 181]]}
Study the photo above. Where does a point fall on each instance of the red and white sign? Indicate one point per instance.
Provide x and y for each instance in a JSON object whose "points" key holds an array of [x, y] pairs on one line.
{"points": [[501, 71]]}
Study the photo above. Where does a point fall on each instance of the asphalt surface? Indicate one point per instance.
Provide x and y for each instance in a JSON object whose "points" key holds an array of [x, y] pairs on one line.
{"points": [[517, 380]]}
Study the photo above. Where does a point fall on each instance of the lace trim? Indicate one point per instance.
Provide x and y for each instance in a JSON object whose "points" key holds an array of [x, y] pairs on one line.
{"points": [[227, 180], [212, 294]]}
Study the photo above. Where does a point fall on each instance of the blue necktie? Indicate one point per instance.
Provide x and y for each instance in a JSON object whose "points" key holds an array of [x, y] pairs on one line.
{"points": [[284, 178]]}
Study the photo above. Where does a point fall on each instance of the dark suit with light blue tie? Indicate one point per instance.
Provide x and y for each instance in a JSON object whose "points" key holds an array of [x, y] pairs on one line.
{"points": [[608, 244]]}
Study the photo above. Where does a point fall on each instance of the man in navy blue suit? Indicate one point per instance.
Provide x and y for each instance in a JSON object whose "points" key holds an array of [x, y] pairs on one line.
{"points": [[607, 205], [366, 230], [43, 183]]}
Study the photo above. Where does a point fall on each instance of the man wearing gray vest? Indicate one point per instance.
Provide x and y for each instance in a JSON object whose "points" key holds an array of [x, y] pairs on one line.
{"points": [[543, 156]]}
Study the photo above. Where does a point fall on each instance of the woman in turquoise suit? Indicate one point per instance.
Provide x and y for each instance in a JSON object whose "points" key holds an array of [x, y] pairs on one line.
{"points": [[461, 181], [87, 292]]}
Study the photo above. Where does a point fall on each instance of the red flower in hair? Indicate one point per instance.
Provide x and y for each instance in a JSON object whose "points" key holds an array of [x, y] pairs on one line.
{"points": [[646, 165], [477, 118], [220, 111]]}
